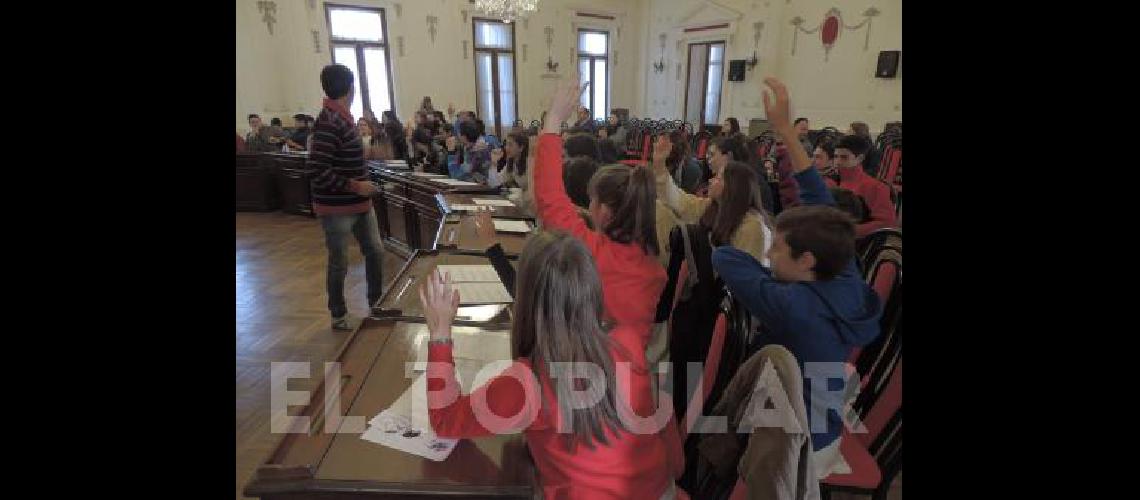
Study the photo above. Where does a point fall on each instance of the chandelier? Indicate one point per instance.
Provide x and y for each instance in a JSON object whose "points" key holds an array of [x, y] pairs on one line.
{"points": [[507, 10]]}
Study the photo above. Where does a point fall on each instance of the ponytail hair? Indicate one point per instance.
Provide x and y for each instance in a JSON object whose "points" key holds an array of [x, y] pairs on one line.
{"points": [[630, 195]]}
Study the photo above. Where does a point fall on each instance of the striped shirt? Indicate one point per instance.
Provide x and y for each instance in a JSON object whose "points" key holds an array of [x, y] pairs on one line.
{"points": [[337, 156]]}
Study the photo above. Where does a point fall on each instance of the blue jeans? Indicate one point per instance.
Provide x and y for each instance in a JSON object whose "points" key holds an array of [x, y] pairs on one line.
{"points": [[364, 227]]}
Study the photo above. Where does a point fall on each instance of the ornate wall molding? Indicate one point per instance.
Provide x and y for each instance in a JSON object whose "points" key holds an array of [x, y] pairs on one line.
{"points": [[830, 28], [268, 11]]}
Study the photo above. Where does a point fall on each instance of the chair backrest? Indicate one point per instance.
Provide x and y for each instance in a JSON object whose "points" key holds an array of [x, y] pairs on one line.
{"points": [[708, 376], [702, 144], [869, 246]]}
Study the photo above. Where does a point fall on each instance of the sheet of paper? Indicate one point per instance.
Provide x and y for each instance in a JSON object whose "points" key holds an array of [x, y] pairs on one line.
{"points": [[483, 293], [398, 432], [470, 208], [483, 346], [427, 174], [467, 273], [456, 182], [493, 202], [512, 226]]}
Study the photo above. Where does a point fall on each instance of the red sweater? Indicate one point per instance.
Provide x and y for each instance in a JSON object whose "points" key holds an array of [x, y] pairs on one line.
{"points": [[632, 280], [631, 465], [874, 192]]}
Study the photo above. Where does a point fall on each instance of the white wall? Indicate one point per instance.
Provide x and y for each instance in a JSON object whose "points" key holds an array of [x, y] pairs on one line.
{"points": [[834, 92], [278, 74]]}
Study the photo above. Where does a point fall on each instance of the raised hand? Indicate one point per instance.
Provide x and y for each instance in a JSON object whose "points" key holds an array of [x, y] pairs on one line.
{"points": [[440, 303], [661, 149], [450, 143], [484, 228], [564, 104], [777, 107], [496, 155]]}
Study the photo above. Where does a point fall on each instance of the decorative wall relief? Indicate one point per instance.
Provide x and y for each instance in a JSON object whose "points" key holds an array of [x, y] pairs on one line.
{"points": [[432, 21], [464, 12], [399, 9], [757, 30], [524, 52], [678, 71], [464, 49], [312, 4], [400, 45], [268, 11], [316, 41], [549, 36], [829, 29]]}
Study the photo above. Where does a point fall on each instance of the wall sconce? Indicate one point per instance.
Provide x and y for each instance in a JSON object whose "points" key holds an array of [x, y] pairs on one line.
{"points": [[551, 66], [752, 62], [659, 66]]}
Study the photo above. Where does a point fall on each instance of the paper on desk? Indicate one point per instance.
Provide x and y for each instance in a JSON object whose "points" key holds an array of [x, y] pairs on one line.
{"points": [[397, 431], [470, 208], [492, 201], [456, 182], [483, 293], [466, 273], [473, 344], [512, 226], [427, 174]]}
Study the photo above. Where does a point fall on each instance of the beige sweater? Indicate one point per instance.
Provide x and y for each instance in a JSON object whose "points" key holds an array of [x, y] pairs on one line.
{"points": [[753, 236]]}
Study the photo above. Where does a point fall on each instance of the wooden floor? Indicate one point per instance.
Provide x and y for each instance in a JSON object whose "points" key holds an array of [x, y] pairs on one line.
{"points": [[282, 316]]}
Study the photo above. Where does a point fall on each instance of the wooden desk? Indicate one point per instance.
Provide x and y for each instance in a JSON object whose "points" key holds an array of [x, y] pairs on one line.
{"points": [[462, 237], [402, 301], [408, 208], [256, 184], [342, 465]]}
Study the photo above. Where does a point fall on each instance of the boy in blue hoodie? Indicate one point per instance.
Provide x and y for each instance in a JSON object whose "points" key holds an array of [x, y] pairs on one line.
{"points": [[813, 300]]}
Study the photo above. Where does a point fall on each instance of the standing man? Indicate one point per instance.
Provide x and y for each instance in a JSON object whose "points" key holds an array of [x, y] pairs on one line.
{"points": [[342, 191], [585, 123]]}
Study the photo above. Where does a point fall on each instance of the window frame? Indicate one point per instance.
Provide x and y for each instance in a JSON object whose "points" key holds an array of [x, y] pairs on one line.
{"points": [[705, 79], [592, 58], [358, 47], [475, 50]]}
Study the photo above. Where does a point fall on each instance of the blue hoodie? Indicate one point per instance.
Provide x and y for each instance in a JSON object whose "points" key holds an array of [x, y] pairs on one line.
{"points": [[818, 321]]}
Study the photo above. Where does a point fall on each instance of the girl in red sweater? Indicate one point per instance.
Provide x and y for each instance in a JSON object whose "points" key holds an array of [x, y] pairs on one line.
{"points": [[592, 429], [622, 208]]}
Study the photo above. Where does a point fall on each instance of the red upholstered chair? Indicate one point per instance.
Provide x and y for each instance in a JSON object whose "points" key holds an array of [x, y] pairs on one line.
{"points": [[875, 457]]}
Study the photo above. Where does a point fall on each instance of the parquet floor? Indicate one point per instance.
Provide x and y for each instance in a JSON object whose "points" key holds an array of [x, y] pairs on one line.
{"points": [[282, 315]]}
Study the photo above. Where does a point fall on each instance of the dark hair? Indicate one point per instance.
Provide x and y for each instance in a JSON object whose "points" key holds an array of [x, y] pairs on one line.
{"points": [[587, 110], [800, 119], [827, 148], [576, 175], [857, 145], [827, 232], [850, 203], [469, 129], [276, 122], [609, 152], [524, 150], [630, 195], [680, 151], [336, 80], [861, 129], [558, 319], [582, 145], [422, 136], [741, 194], [395, 132], [252, 116], [733, 126], [732, 145], [301, 117]]}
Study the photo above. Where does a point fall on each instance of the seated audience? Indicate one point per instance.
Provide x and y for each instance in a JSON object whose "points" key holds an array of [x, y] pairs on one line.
{"points": [[849, 155], [614, 132], [813, 300], [427, 153], [300, 137], [850, 203], [578, 144], [510, 161], [802, 128], [395, 136], [257, 139], [733, 211], [682, 166], [476, 155], [585, 123], [375, 148], [277, 134], [731, 128], [871, 164]]}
